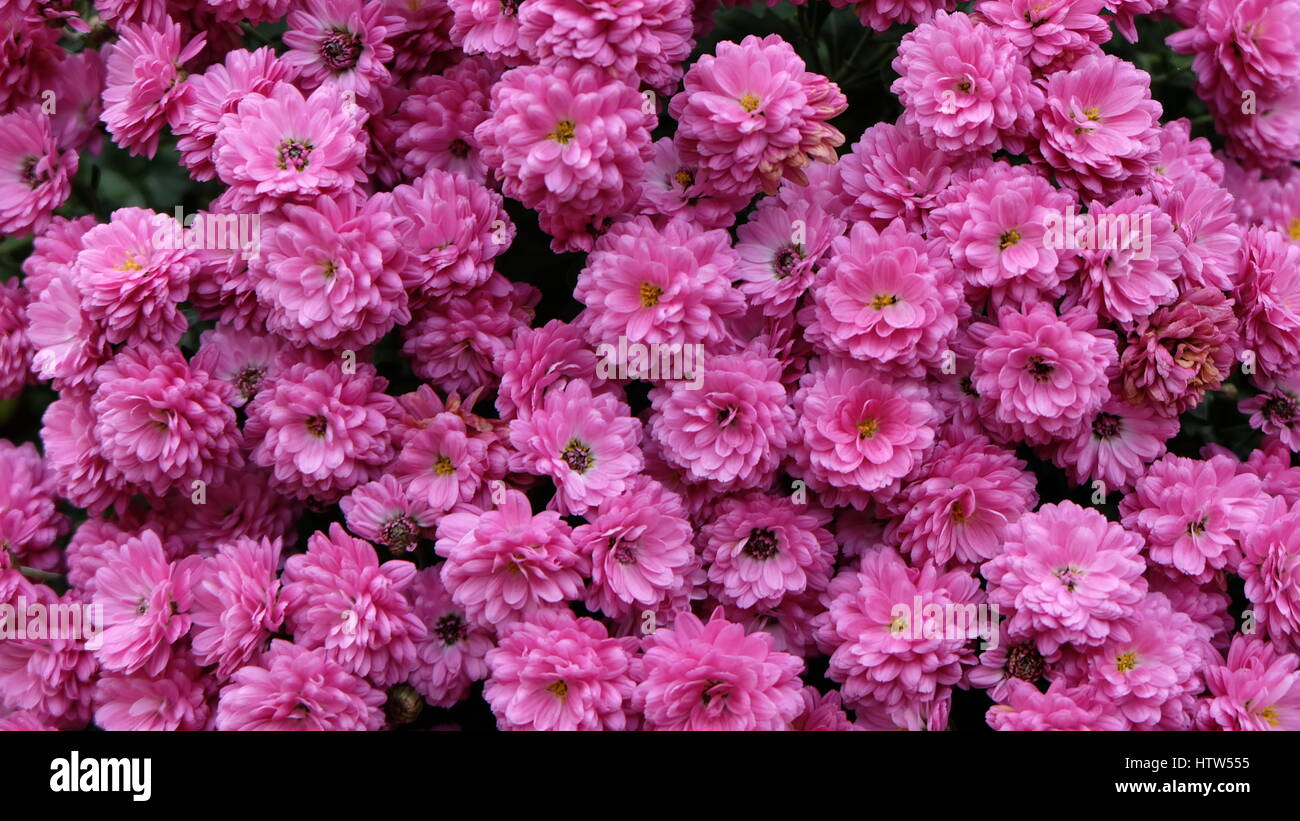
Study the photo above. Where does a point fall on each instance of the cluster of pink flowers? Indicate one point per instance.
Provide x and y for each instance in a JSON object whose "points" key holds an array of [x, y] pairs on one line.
{"points": [[340, 464]]}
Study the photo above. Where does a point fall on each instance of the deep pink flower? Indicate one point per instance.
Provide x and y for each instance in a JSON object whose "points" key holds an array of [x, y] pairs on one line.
{"points": [[1258, 688], [438, 119], [488, 27], [175, 699], [388, 514], [1179, 352], [1268, 301], [81, 473], [298, 689], [237, 604], [145, 84], [442, 464], [671, 189], [1051, 35], [452, 653], [1270, 566], [35, 172], [1061, 708], [247, 362], [781, 247], [29, 521], [1116, 446], [51, 676], [541, 359], [342, 42]]}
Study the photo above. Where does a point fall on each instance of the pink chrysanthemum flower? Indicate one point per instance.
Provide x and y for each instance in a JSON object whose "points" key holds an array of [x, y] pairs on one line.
{"points": [[711, 676], [730, 426], [242, 506], [338, 596], [298, 689], [81, 473], [1268, 301], [452, 653], [1275, 410], [541, 359], [859, 432], [237, 604], [176, 699], [388, 514], [506, 563], [29, 521], [645, 38], [254, 11], [1203, 217], [1150, 665], [570, 141], [880, 15], [1050, 35], [321, 431], [162, 424], [1068, 575], [342, 42], [821, 713], [15, 346], [217, 92], [51, 676], [53, 251], [964, 86], [146, 604], [1099, 130], [438, 119], [1181, 351], [960, 505], [888, 296], [881, 654], [751, 115], [664, 285], [587, 445], [442, 464], [558, 672], [781, 247], [1270, 566], [422, 43], [131, 283], [1257, 688], [454, 228], [671, 190], [1061, 708], [30, 57], [247, 362], [280, 147], [1043, 375], [1116, 446], [759, 549], [488, 27], [457, 343], [79, 89], [35, 173], [1194, 514], [639, 548], [145, 84]]}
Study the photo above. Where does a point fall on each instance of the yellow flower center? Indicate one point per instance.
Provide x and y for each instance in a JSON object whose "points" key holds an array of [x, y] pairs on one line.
{"points": [[1269, 714], [1293, 230], [558, 689], [564, 131], [897, 626], [867, 428], [129, 264], [443, 466], [958, 515], [1092, 113], [684, 177], [650, 294], [1008, 239], [749, 102], [1126, 662], [882, 301]]}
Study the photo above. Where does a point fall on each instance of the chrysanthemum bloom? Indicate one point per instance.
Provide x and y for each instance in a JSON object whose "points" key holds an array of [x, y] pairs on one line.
{"points": [[81, 473], [645, 38], [298, 689], [321, 431], [338, 596], [242, 506], [587, 445], [35, 173], [343, 42], [442, 464], [1270, 566], [1275, 410], [880, 654], [422, 43], [216, 92], [639, 548], [570, 141], [133, 276], [1181, 351], [821, 713], [1257, 688], [859, 432], [664, 285], [246, 361], [146, 87], [888, 296], [541, 359], [1203, 217], [488, 27], [29, 521], [506, 563], [1150, 665], [751, 115], [759, 549], [30, 57], [162, 424], [237, 604], [453, 228], [386, 513], [1069, 576], [961, 503], [280, 147], [146, 601], [1043, 375], [1061, 708], [254, 11], [1099, 129], [53, 251], [51, 675], [558, 672], [1181, 158], [1268, 301], [997, 231], [451, 655], [457, 343], [175, 699], [15, 346], [96, 540], [438, 119], [79, 87], [1267, 137], [711, 676], [1194, 514], [881, 14], [964, 86], [1117, 445], [671, 190], [1053, 35], [731, 426], [780, 248]]}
